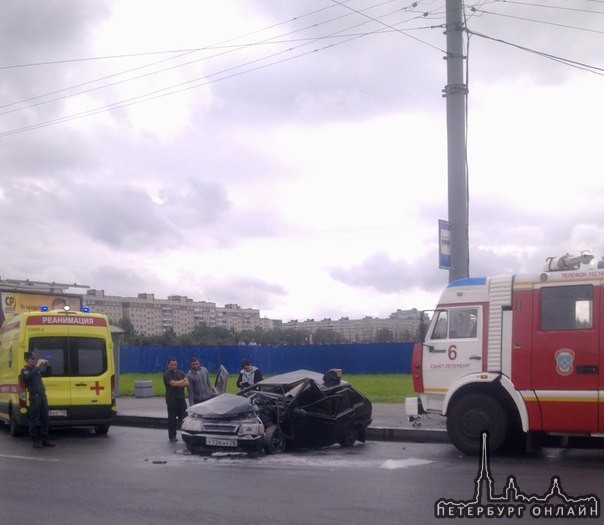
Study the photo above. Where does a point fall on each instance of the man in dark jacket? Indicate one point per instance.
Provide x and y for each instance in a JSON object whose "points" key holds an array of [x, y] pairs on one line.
{"points": [[37, 413], [175, 381]]}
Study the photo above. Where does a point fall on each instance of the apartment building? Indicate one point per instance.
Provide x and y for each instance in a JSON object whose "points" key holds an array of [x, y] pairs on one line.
{"points": [[401, 325], [151, 316]]}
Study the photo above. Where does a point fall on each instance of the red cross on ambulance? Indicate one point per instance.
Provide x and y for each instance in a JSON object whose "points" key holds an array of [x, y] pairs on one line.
{"points": [[97, 388]]}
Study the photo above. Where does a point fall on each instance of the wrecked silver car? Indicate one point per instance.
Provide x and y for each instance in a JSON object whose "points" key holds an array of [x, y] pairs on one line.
{"points": [[301, 409]]}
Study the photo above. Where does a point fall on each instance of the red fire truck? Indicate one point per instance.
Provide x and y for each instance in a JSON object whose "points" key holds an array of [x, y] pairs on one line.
{"points": [[517, 356]]}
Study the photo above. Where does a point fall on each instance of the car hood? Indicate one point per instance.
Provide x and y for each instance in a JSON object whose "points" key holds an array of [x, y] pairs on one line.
{"points": [[223, 406]]}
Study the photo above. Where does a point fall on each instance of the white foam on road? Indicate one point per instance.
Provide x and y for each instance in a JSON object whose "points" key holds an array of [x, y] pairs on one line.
{"points": [[27, 458], [312, 459], [393, 464]]}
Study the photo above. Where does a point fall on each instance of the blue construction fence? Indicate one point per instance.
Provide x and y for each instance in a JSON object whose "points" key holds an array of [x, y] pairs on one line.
{"points": [[378, 358]]}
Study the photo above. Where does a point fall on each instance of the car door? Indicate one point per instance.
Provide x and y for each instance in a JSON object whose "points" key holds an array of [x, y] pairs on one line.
{"points": [[312, 416], [454, 347], [344, 416], [220, 383], [317, 426], [565, 356]]}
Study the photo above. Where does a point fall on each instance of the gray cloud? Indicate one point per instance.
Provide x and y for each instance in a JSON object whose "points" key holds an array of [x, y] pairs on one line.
{"points": [[247, 292], [386, 275], [119, 279], [91, 200]]}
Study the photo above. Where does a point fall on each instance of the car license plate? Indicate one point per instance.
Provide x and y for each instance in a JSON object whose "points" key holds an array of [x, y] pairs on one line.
{"points": [[221, 442], [57, 413]]}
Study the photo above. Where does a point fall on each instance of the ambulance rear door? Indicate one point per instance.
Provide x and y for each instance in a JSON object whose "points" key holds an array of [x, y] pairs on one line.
{"points": [[90, 366], [47, 345], [78, 349]]}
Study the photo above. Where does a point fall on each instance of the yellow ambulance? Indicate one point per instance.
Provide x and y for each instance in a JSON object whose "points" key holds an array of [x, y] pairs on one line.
{"points": [[79, 349]]}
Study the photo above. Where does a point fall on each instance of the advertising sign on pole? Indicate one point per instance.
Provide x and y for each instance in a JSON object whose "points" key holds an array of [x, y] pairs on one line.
{"points": [[444, 245]]}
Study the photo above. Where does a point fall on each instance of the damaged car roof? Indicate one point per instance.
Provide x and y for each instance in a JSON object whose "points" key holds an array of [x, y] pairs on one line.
{"points": [[294, 377]]}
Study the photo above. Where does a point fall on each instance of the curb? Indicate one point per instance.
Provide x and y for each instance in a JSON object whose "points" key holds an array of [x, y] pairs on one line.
{"points": [[414, 435], [140, 421]]}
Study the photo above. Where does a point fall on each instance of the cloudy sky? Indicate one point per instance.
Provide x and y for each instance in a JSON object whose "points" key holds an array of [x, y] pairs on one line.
{"points": [[291, 156]]}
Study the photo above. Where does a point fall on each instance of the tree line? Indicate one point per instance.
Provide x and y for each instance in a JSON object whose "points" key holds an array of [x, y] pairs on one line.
{"points": [[204, 335]]}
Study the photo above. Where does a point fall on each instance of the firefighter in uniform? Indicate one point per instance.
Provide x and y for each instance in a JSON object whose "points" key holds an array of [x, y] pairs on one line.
{"points": [[37, 413]]}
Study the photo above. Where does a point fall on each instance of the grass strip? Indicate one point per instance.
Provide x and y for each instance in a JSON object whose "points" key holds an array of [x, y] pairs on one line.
{"points": [[379, 388]]}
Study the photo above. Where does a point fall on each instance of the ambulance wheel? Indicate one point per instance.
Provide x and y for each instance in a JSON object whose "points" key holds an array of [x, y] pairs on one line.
{"points": [[16, 430], [101, 430], [470, 416]]}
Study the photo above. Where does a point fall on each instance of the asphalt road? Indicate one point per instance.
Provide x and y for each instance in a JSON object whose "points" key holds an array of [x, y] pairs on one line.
{"points": [[134, 476]]}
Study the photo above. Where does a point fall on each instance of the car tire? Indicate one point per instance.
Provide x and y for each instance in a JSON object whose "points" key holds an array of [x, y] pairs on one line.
{"points": [[362, 435], [274, 440], [350, 437], [470, 416]]}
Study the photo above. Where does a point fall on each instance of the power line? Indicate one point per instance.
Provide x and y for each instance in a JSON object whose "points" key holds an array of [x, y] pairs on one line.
{"points": [[177, 88], [221, 45], [572, 63], [566, 26], [148, 53], [555, 7], [383, 23]]}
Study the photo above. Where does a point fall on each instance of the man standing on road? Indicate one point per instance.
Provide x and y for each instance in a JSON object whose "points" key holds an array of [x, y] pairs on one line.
{"points": [[200, 388], [37, 413], [175, 382]]}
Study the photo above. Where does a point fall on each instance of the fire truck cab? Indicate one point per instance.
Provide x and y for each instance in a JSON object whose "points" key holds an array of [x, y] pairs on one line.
{"points": [[519, 354]]}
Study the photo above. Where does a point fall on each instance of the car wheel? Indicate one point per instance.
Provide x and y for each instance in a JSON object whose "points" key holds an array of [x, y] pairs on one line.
{"points": [[362, 435], [16, 430], [101, 430], [274, 441], [470, 417], [349, 438]]}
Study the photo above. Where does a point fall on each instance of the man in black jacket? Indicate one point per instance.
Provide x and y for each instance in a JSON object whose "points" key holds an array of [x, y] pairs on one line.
{"points": [[37, 413], [175, 381]]}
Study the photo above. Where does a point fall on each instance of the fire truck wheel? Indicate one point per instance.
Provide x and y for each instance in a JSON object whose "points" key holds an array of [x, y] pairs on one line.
{"points": [[470, 416]]}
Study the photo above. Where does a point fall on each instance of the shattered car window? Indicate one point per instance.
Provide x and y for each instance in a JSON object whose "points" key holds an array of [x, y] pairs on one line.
{"points": [[309, 394], [326, 406]]}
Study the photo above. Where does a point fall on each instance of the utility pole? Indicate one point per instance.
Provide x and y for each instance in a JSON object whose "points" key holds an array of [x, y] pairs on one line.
{"points": [[456, 92]]}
